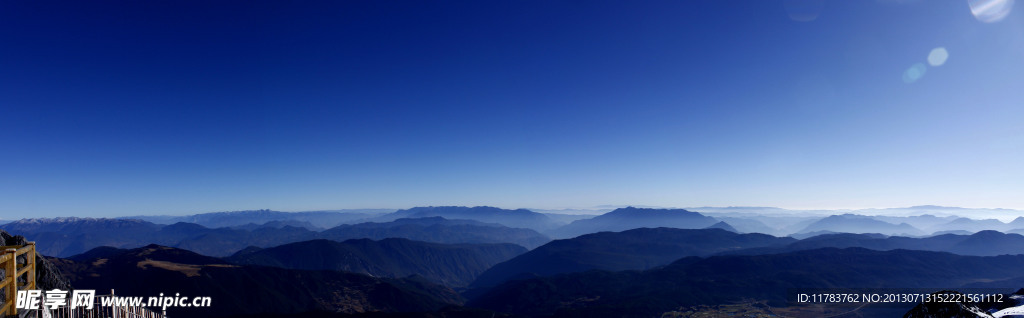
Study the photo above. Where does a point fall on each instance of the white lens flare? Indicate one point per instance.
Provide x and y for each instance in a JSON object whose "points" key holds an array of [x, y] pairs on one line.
{"points": [[938, 56], [990, 11], [914, 73]]}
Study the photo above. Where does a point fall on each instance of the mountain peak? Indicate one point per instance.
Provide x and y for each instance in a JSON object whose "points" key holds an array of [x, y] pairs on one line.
{"points": [[518, 218], [724, 226], [854, 223], [631, 218], [633, 211]]}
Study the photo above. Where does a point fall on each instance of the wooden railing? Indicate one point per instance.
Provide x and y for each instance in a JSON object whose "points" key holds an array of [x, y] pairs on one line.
{"points": [[12, 273], [23, 277]]}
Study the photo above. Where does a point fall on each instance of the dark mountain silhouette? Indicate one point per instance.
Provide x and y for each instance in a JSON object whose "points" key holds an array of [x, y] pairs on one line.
{"points": [[1017, 223], [924, 222], [796, 225], [279, 224], [1016, 231], [632, 218], [852, 223], [70, 236], [563, 219], [451, 265], [941, 211], [988, 243], [984, 243], [247, 290], [971, 225], [438, 230], [64, 237], [226, 241], [744, 225], [724, 226], [728, 279], [957, 232], [801, 236], [520, 218], [97, 253], [635, 249], [766, 220], [247, 250]]}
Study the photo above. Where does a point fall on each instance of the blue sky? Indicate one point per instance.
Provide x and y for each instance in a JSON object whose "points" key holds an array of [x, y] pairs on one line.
{"points": [[175, 107]]}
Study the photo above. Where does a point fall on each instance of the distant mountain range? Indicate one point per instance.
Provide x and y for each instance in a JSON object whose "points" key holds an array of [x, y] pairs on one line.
{"points": [[851, 223], [64, 237], [520, 218], [629, 262], [454, 265], [439, 230], [631, 218], [321, 219], [635, 249], [926, 218], [972, 225], [563, 219], [645, 248], [558, 223], [924, 222], [942, 211], [69, 236], [248, 290], [447, 224], [984, 243], [908, 225]]}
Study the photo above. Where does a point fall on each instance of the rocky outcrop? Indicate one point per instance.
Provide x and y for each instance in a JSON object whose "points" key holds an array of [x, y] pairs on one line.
{"points": [[47, 275]]}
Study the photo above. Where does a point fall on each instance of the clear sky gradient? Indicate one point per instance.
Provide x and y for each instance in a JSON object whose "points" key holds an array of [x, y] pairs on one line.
{"points": [[174, 107]]}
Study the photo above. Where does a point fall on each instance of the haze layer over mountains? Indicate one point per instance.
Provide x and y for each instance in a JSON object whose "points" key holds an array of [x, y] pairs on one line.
{"points": [[631, 262], [263, 228]]}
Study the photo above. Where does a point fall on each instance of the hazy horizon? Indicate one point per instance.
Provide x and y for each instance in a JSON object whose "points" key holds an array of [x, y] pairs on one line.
{"points": [[601, 209]]}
